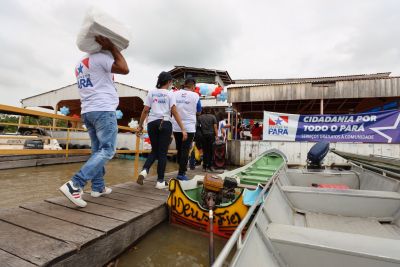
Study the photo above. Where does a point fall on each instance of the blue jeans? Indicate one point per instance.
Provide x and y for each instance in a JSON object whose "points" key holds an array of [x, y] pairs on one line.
{"points": [[102, 128]]}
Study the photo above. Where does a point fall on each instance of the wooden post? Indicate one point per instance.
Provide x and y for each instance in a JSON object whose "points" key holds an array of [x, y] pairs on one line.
{"points": [[322, 106], [236, 124], [67, 145], [136, 163], [54, 120], [20, 120]]}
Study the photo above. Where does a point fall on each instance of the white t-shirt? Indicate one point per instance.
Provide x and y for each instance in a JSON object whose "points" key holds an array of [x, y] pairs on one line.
{"points": [[221, 126], [160, 102], [96, 83], [187, 104]]}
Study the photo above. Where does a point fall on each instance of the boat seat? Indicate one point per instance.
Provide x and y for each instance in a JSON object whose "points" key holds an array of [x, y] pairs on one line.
{"points": [[381, 205], [353, 192], [301, 246], [353, 225]]}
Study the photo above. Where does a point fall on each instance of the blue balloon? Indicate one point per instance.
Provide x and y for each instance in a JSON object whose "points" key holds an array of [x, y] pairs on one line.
{"points": [[222, 97], [203, 89], [119, 114], [64, 110]]}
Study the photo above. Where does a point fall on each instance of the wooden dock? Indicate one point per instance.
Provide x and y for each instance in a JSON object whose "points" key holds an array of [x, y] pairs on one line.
{"points": [[54, 232], [22, 161]]}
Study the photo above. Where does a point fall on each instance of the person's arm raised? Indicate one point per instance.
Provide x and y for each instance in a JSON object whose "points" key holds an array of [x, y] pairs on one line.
{"points": [[119, 66]]}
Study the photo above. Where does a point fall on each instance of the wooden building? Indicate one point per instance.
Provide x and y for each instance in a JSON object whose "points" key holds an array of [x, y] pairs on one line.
{"points": [[131, 101], [322, 95]]}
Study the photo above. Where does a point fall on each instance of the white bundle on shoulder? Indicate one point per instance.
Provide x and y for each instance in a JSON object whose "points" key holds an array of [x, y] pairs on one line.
{"points": [[97, 22]]}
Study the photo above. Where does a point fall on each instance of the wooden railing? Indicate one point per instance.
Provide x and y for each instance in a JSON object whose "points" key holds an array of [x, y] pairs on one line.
{"points": [[5, 109]]}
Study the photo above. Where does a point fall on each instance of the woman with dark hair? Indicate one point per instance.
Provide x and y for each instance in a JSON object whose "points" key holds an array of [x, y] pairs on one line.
{"points": [[158, 106]]}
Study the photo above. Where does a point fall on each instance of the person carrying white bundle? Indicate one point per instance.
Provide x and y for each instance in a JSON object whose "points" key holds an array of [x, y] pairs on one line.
{"points": [[97, 23], [99, 100]]}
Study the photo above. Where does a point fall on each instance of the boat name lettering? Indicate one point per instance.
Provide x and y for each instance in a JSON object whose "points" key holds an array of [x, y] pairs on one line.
{"points": [[178, 206]]}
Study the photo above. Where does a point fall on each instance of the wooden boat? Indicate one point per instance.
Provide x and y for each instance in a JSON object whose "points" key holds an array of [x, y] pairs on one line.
{"points": [[187, 207], [302, 225]]}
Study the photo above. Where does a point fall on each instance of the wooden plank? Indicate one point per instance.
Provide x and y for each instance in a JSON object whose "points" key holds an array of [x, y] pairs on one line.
{"points": [[88, 220], [135, 186], [9, 260], [135, 207], [139, 193], [30, 246], [135, 199], [55, 228], [100, 253], [92, 208], [29, 112]]}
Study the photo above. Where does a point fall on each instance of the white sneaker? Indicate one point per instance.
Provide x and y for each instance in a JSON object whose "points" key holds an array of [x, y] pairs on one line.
{"points": [[141, 177], [162, 185], [74, 194], [106, 191]]}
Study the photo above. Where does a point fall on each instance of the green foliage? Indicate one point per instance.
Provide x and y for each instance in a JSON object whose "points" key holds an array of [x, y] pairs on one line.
{"points": [[28, 120]]}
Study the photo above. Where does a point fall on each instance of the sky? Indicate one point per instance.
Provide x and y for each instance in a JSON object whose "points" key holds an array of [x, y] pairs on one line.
{"points": [[249, 39]]}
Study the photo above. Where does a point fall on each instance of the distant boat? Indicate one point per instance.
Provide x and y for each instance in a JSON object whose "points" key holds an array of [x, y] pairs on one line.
{"points": [[186, 199], [321, 217], [28, 138]]}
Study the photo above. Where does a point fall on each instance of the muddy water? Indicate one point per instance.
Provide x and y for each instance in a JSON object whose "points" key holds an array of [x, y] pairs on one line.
{"points": [[22, 185], [166, 245], [171, 245]]}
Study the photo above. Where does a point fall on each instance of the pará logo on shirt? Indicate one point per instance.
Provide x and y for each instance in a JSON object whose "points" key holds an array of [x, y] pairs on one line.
{"points": [[83, 80]]}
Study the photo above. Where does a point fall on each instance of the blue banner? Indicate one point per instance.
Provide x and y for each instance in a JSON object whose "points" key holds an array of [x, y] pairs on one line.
{"points": [[371, 127]]}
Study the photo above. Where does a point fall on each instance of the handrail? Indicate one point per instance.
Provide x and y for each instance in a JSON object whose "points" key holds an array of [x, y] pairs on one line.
{"points": [[5, 109], [236, 238], [34, 113], [372, 167]]}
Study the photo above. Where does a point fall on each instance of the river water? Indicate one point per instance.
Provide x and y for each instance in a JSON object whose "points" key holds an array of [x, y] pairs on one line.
{"points": [[22, 185], [171, 245], [165, 245]]}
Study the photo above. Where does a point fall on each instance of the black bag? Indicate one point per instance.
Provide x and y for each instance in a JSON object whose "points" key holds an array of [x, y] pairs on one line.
{"points": [[198, 136]]}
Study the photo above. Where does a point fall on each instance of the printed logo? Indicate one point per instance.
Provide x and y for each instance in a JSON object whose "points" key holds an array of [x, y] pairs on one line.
{"points": [[159, 100], [83, 79], [278, 125]]}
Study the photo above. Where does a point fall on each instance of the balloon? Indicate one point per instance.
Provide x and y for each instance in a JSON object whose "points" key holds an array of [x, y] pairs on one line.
{"points": [[211, 88], [203, 89], [197, 90], [119, 114], [64, 110], [222, 97]]}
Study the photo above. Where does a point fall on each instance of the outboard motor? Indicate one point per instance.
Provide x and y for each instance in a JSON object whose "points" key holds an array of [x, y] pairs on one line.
{"points": [[218, 189], [316, 155]]}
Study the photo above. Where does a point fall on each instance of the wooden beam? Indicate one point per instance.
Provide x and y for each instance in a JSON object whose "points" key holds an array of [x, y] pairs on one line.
{"points": [[70, 151], [341, 105], [28, 112]]}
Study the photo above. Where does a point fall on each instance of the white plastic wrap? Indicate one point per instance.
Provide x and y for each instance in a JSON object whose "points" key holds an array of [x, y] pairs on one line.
{"points": [[96, 22]]}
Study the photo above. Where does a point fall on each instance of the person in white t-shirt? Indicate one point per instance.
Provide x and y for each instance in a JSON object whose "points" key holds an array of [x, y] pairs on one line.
{"points": [[223, 128], [188, 105], [99, 100], [158, 106]]}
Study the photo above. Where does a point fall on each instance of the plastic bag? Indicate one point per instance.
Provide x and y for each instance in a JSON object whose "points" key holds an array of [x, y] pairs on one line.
{"points": [[96, 22]]}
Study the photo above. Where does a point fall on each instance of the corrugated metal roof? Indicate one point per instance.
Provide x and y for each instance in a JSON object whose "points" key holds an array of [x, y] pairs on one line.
{"points": [[320, 80], [224, 75], [51, 91]]}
